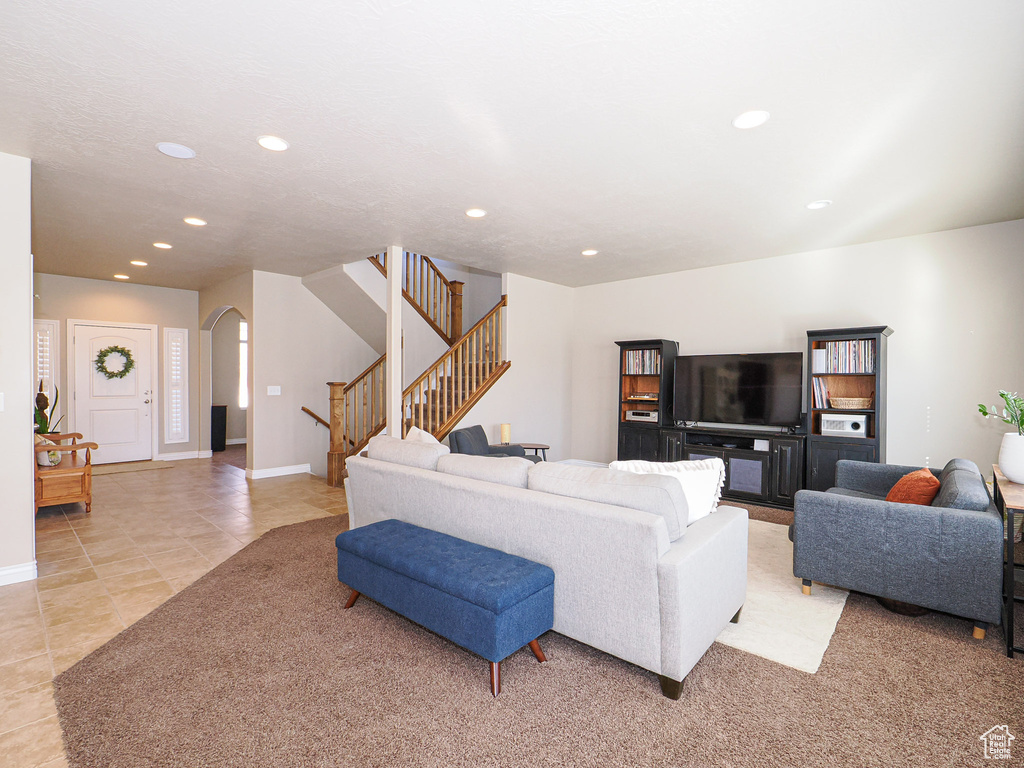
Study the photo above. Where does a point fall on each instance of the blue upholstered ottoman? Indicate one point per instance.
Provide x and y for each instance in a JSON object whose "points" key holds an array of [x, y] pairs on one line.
{"points": [[489, 602]]}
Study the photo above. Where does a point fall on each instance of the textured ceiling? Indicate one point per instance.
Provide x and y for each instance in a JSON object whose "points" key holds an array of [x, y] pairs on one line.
{"points": [[575, 123]]}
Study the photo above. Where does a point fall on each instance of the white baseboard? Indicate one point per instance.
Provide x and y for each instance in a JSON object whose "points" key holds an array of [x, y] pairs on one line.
{"points": [[184, 455], [295, 469], [12, 574], [236, 441]]}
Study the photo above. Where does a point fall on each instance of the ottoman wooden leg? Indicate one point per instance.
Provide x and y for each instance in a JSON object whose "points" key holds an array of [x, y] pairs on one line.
{"points": [[806, 589], [352, 599], [495, 677], [535, 647]]}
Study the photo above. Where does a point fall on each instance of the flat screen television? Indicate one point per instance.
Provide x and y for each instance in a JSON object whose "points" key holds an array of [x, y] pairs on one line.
{"points": [[758, 389]]}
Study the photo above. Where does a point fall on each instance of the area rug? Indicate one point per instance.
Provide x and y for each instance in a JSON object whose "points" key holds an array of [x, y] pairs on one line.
{"points": [[256, 664], [130, 466], [778, 621]]}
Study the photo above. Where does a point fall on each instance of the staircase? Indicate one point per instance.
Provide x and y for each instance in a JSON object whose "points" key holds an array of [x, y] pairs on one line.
{"points": [[437, 299], [436, 400]]}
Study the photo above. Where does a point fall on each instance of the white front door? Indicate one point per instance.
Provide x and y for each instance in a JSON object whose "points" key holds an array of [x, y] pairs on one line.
{"points": [[116, 413]]}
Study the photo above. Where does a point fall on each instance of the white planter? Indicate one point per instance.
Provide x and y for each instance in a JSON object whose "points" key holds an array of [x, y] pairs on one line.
{"points": [[1011, 457], [48, 459]]}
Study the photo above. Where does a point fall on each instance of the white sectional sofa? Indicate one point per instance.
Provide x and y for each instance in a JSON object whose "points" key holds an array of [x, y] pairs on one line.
{"points": [[631, 578]]}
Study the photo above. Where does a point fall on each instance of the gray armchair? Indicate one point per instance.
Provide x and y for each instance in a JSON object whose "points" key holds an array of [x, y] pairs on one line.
{"points": [[473, 440], [946, 557]]}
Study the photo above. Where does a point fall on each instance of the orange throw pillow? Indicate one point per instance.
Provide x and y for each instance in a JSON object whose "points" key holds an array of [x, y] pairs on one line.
{"points": [[918, 487]]}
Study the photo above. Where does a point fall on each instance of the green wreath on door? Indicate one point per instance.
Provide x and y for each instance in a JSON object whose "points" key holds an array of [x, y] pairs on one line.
{"points": [[101, 362]]}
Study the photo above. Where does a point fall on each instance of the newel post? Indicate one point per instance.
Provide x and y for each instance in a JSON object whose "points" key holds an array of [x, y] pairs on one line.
{"points": [[456, 310], [336, 452]]}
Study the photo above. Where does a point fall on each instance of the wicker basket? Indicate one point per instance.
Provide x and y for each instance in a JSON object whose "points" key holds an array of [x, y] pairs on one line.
{"points": [[850, 403]]}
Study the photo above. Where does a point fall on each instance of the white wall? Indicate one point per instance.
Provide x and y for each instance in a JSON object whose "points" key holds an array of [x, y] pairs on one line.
{"points": [[479, 294], [17, 519], [421, 345], [225, 370], [534, 394], [77, 298], [953, 299], [298, 344]]}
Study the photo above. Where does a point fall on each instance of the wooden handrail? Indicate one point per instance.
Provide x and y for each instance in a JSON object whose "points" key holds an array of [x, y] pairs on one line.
{"points": [[380, 261], [318, 419], [437, 299], [434, 401], [364, 374]]}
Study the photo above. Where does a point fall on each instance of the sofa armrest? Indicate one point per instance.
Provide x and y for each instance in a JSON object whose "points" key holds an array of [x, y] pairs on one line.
{"points": [[940, 558], [868, 477], [702, 582]]}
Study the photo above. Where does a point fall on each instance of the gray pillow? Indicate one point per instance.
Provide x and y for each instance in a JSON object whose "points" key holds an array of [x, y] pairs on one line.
{"points": [[962, 489], [958, 464]]}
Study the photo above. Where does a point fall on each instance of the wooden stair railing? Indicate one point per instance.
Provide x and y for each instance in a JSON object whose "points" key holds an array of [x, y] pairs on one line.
{"points": [[317, 418], [453, 384], [357, 414], [434, 402], [437, 299]]}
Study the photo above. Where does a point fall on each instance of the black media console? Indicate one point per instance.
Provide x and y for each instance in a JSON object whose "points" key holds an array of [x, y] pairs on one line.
{"points": [[762, 467]]}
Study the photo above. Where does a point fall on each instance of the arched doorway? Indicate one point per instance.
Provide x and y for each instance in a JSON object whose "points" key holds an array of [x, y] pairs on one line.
{"points": [[227, 385]]}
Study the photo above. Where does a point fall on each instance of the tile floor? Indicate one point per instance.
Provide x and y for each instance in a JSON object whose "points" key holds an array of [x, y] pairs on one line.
{"points": [[150, 534]]}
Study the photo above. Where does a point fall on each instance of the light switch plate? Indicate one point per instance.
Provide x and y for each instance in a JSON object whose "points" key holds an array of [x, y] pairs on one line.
{"points": [[273, 390], [1, 401]]}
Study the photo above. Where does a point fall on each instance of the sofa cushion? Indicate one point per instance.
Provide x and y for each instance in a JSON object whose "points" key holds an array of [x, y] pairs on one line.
{"points": [[962, 489], [958, 464], [701, 481], [506, 470], [917, 487], [411, 454], [417, 435], [657, 494], [854, 494]]}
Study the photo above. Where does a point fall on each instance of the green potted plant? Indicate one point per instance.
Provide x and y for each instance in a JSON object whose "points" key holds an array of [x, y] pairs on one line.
{"points": [[46, 425], [1011, 451]]}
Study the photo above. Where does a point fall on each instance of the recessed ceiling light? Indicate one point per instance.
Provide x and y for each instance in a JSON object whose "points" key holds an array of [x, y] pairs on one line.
{"points": [[751, 119], [195, 222], [476, 213], [140, 263], [273, 143], [178, 151], [120, 277], [589, 252], [819, 204], [165, 246]]}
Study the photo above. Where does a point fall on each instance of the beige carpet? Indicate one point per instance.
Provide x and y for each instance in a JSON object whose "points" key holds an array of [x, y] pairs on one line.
{"points": [[256, 664], [778, 621]]}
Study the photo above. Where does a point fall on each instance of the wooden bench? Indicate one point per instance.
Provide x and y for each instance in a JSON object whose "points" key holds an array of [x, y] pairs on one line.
{"points": [[487, 601], [71, 480]]}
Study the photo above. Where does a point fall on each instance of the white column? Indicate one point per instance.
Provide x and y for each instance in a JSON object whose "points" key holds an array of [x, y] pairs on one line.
{"points": [[393, 363], [17, 518]]}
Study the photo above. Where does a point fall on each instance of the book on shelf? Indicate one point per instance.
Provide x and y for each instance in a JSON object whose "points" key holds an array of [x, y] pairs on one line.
{"points": [[854, 356], [820, 393], [642, 362]]}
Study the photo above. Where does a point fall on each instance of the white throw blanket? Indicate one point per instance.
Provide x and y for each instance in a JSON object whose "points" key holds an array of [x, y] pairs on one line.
{"points": [[701, 481]]}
